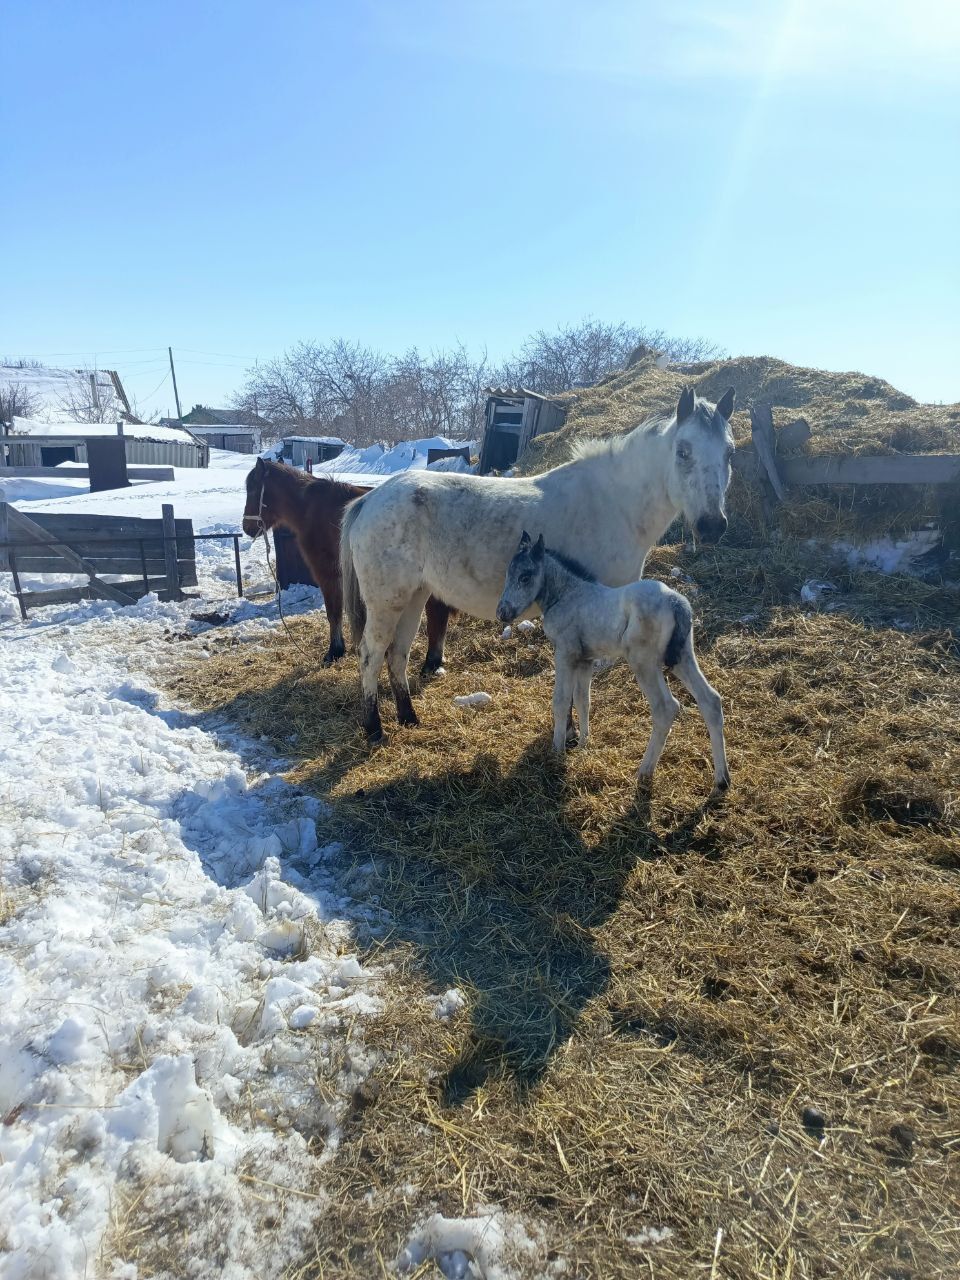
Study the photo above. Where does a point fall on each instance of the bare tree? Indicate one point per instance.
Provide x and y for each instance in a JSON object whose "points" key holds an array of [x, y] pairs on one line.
{"points": [[582, 354], [346, 389], [18, 401], [83, 398]]}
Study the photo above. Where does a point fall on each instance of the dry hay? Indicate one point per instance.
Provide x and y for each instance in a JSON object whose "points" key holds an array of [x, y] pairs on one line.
{"points": [[847, 412], [740, 1017]]}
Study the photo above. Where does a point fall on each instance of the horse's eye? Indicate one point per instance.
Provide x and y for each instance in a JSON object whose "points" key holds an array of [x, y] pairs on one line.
{"points": [[683, 452], [525, 578]]}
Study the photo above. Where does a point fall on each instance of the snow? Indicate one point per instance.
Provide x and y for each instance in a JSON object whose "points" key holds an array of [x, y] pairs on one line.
{"points": [[183, 1010], [135, 430], [372, 464], [492, 1246], [176, 959], [56, 390], [473, 700]]}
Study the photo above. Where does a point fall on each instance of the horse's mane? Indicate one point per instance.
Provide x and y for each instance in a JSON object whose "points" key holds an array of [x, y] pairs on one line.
{"points": [[609, 446], [307, 481]]}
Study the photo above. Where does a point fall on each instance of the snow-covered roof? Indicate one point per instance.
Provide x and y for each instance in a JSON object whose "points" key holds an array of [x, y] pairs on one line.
{"points": [[317, 439], [75, 430], [223, 428], [61, 395]]}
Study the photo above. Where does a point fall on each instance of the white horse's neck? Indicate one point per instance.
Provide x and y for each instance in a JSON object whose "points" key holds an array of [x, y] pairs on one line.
{"points": [[631, 478]]}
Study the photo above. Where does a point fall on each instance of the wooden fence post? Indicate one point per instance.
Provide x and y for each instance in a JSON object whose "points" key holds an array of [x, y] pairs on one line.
{"points": [[761, 430], [170, 552]]}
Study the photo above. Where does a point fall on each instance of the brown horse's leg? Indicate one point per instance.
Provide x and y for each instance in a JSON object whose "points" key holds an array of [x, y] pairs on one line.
{"points": [[332, 590], [438, 615]]}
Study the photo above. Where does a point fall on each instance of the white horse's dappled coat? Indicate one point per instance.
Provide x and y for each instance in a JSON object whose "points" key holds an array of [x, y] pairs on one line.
{"points": [[453, 535]]}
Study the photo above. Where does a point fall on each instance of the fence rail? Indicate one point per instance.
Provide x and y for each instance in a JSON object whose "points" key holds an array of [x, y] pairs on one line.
{"points": [[764, 457]]}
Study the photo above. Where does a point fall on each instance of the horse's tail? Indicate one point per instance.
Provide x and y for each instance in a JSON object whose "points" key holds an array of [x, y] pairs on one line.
{"points": [[682, 626], [356, 610]]}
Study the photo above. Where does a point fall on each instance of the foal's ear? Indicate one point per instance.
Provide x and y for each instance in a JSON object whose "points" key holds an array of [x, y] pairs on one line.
{"points": [[685, 404], [259, 468], [524, 539], [725, 404], [538, 548]]}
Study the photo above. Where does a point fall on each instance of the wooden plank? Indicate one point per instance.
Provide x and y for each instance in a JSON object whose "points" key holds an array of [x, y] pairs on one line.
{"points": [[69, 595], [106, 566], [761, 432], [83, 473], [95, 529], [18, 523], [891, 469], [170, 550]]}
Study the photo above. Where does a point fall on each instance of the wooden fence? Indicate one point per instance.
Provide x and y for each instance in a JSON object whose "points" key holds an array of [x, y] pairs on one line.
{"points": [[764, 458], [160, 553]]}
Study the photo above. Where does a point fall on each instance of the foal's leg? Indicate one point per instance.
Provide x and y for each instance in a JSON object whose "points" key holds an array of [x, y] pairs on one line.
{"points": [[708, 700], [562, 695], [438, 615], [377, 635], [398, 655], [664, 709], [581, 697]]}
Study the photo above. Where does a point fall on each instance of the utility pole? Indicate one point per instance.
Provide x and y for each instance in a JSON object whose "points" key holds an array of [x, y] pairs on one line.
{"points": [[176, 393]]}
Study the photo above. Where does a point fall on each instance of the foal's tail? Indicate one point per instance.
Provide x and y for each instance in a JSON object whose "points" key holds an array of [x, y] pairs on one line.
{"points": [[356, 610], [682, 626]]}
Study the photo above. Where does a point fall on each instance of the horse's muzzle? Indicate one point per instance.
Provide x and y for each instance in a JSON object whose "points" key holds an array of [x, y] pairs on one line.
{"points": [[711, 528], [505, 613], [252, 526]]}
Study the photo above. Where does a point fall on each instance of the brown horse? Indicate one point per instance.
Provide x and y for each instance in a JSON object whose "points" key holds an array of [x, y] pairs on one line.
{"points": [[311, 508]]}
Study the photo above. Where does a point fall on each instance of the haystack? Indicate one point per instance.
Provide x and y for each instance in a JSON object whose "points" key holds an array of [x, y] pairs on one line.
{"points": [[848, 413]]}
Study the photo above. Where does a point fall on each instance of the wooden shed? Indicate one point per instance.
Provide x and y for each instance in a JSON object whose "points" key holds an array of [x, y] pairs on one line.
{"points": [[234, 437], [297, 449], [515, 416]]}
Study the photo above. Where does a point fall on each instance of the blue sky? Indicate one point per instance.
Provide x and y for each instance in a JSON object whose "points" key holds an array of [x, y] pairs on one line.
{"points": [[780, 176]]}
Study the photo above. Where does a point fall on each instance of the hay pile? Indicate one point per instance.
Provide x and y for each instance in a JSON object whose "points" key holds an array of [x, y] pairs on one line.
{"points": [[699, 1040], [847, 413]]}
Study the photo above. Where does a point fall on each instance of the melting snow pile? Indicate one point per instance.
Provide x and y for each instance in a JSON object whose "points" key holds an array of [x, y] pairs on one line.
{"points": [[175, 976]]}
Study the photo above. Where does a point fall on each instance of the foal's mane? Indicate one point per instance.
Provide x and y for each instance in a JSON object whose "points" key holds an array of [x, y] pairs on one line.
{"points": [[572, 566]]}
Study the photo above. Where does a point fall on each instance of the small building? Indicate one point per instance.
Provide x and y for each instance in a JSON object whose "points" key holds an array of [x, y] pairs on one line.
{"points": [[515, 416], [297, 449], [27, 443], [232, 436]]}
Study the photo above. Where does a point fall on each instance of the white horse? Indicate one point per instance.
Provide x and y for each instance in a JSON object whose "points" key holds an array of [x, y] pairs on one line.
{"points": [[644, 622], [452, 536]]}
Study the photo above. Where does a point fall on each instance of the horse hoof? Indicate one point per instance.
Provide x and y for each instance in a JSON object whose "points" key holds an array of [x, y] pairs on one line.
{"points": [[376, 739], [408, 719], [432, 667]]}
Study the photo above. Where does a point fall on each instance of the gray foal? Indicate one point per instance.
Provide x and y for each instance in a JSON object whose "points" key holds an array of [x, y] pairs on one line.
{"points": [[645, 622]]}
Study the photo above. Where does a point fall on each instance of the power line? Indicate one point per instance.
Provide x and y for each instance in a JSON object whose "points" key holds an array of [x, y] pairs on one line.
{"points": [[158, 386]]}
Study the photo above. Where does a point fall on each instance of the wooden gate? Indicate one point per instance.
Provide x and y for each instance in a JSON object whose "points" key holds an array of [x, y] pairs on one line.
{"points": [[143, 555]]}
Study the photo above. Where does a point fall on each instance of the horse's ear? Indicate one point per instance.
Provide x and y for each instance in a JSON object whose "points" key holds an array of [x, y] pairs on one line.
{"points": [[524, 539], [685, 404], [259, 468], [538, 548], [725, 404]]}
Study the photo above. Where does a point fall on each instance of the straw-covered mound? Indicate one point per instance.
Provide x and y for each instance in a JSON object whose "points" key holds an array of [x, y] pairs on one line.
{"points": [[698, 1039], [847, 413]]}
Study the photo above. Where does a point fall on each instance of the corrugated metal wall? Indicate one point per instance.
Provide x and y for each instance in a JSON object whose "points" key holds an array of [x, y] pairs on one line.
{"points": [[166, 453]]}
